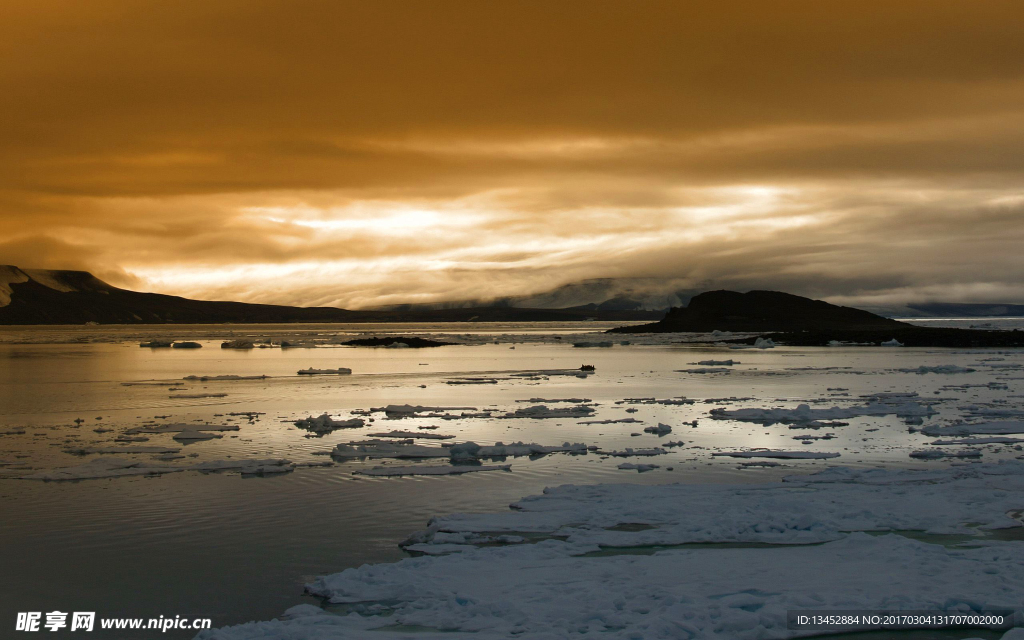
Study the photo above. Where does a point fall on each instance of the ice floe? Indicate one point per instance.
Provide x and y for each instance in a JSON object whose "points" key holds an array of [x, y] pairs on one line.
{"points": [[804, 412], [1010, 426], [774, 453], [97, 468], [422, 470], [109, 450], [660, 430], [629, 452], [340, 371], [193, 435], [543, 412], [638, 467], [324, 423], [934, 454], [584, 576], [410, 434]]}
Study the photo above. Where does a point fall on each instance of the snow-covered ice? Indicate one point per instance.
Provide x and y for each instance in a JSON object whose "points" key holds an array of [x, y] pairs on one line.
{"points": [[560, 587]]}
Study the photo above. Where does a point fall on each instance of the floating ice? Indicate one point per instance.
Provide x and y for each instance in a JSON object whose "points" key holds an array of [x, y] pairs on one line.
{"points": [[324, 423], [547, 590], [639, 467], [628, 452], [773, 453], [191, 396], [418, 470], [660, 430], [116, 467], [109, 450], [1011, 426], [410, 434], [173, 428], [804, 413], [340, 371], [891, 343], [387, 449], [408, 410], [225, 378], [934, 454], [942, 368], [541, 411], [994, 440], [193, 435], [705, 370]]}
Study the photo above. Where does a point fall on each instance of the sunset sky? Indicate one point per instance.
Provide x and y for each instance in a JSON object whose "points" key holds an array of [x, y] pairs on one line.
{"points": [[365, 153]]}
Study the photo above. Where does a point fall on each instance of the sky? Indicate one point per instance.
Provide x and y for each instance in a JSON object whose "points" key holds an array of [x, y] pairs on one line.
{"points": [[359, 154]]}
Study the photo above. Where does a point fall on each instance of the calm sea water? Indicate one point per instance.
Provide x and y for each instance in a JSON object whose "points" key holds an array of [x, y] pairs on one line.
{"points": [[235, 548]]}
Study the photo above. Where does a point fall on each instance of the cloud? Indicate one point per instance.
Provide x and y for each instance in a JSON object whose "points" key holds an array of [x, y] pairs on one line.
{"points": [[356, 153]]}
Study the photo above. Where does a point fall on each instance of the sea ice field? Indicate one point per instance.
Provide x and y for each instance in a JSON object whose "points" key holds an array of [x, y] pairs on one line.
{"points": [[683, 488]]}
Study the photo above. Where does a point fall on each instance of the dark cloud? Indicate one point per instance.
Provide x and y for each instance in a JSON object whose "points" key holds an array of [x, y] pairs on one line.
{"points": [[359, 153]]}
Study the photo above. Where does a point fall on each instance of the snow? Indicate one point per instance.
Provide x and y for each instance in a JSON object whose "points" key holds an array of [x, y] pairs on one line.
{"points": [[891, 343], [557, 588], [8, 276], [420, 470], [772, 453]]}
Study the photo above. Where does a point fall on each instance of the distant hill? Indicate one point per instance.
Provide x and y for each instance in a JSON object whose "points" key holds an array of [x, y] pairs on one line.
{"points": [[960, 310], [799, 321], [35, 296], [762, 311]]}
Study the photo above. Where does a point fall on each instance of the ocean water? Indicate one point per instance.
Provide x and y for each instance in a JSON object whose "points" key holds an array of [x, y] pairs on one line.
{"points": [[234, 548]]}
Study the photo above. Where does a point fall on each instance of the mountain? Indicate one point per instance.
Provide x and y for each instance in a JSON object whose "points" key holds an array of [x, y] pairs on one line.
{"points": [[36, 296], [799, 321], [762, 311]]}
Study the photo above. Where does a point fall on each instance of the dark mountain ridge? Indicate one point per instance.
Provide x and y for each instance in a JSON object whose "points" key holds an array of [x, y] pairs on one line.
{"points": [[29, 297]]}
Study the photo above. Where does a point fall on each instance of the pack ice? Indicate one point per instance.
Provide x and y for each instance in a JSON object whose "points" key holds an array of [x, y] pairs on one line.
{"points": [[581, 561]]}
